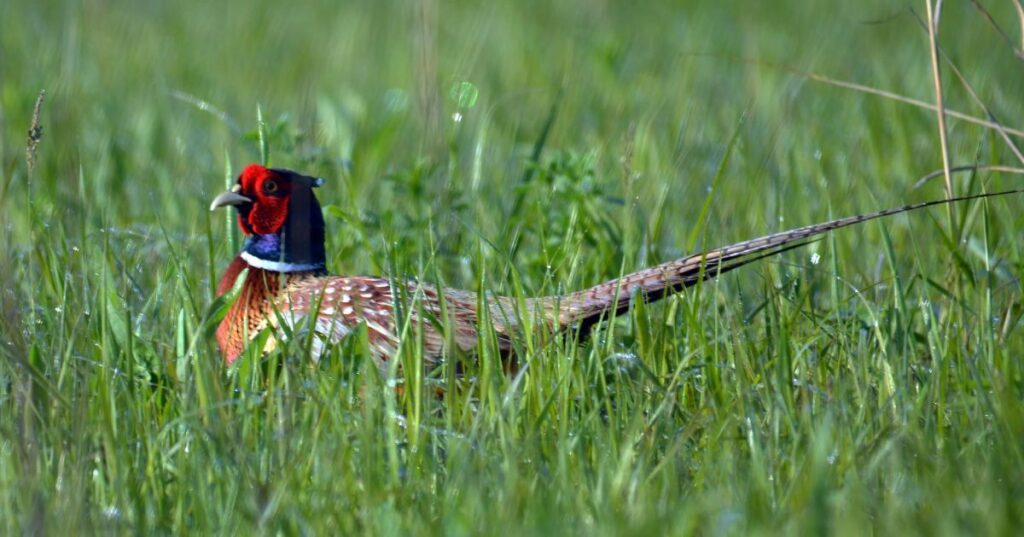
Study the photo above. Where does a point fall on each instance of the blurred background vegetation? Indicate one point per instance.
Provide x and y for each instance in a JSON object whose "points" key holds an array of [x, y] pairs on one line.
{"points": [[484, 144]]}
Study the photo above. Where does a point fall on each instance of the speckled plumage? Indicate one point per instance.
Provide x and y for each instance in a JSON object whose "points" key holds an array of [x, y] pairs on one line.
{"points": [[281, 289], [341, 304]]}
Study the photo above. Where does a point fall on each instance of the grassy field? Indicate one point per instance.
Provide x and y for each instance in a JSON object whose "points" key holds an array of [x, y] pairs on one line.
{"points": [[869, 383]]}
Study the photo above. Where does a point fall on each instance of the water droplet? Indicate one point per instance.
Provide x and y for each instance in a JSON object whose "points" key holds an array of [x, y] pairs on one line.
{"points": [[457, 117], [815, 258], [464, 94]]}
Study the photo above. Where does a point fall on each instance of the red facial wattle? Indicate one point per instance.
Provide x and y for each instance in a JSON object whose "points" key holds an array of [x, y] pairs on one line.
{"points": [[270, 193], [269, 202]]}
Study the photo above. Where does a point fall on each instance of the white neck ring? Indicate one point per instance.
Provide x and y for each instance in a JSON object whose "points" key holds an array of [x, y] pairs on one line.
{"points": [[279, 266]]}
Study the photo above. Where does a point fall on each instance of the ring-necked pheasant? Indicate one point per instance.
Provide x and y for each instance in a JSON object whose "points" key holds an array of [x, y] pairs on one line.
{"points": [[287, 280]]}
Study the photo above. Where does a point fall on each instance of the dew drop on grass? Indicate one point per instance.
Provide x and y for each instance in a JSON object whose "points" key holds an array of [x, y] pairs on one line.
{"points": [[832, 457], [464, 94], [457, 117], [815, 258]]}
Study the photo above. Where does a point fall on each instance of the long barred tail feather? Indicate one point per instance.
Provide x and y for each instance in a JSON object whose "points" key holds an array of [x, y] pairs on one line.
{"points": [[581, 310]]}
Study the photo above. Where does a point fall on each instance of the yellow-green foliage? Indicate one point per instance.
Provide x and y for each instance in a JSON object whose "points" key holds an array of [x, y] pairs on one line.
{"points": [[868, 383]]}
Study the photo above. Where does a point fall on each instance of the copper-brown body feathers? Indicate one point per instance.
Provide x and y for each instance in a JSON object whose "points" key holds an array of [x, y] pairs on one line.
{"points": [[292, 298]]}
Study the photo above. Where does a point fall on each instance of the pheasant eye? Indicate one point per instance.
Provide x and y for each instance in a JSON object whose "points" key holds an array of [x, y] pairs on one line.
{"points": [[269, 187]]}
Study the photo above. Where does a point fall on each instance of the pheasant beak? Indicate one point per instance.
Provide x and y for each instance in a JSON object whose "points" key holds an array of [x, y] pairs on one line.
{"points": [[231, 197]]}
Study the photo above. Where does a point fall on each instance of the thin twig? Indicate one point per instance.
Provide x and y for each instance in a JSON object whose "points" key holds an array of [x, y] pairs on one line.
{"points": [[207, 107], [999, 29], [873, 91], [977, 99], [908, 100], [1020, 17], [988, 112], [969, 168], [934, 15]]}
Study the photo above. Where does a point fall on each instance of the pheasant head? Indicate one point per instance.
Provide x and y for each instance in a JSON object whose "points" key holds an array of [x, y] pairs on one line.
{"points": [[280, 215], [284, 228]]}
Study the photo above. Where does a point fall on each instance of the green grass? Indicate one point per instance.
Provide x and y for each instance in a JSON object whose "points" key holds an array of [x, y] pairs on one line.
{"points": [[878, 389]]}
